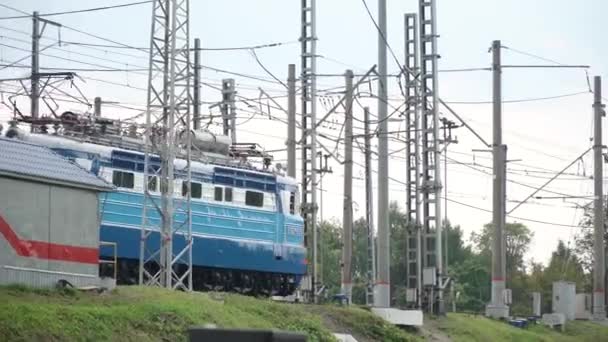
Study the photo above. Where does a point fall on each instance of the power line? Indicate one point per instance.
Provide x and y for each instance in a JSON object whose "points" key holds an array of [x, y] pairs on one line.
{"points": [[229, 48], [71, 69], [59, 57], [510, 180], [78, 44], [74, 11], [515, 217], [253, 77], [83, 54], [531, 55], [255, 55], [534, 99]]}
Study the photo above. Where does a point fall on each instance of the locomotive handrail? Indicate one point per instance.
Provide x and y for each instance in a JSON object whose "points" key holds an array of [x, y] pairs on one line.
{"points": [[113, 262]]}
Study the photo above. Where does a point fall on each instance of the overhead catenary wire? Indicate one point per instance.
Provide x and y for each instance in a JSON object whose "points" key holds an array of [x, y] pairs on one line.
{"points": [[74, 11]]}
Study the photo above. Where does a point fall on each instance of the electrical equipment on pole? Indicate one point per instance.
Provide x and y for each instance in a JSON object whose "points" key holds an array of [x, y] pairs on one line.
{"points": [[309, 205], [412, 116], [228, 109], [430, 151], [166, 235]]}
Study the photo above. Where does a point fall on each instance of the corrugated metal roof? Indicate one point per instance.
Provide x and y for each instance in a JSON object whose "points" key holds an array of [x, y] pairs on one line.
{"points": [[21, 159]]}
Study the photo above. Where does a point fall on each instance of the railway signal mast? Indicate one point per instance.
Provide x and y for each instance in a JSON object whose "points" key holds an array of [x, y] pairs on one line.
{"points": [[166, 234], [412, 152], [308, 42], [430, 152]]}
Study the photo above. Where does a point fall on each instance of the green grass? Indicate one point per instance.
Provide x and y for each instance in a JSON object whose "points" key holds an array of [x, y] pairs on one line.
{"points": [[151, 314], [462, 327]]}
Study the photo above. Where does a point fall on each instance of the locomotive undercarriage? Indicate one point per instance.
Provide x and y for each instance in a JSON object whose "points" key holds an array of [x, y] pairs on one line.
{"points": [[245, 282]]}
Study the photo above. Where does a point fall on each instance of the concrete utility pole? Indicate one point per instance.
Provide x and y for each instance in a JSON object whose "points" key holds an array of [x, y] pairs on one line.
{"points": [[35, 91], [228, 108], [35, 76], [196, 91], [497, 307], [369, 212], [599, 270], [383, 290], [347, 217], [291, 120]]}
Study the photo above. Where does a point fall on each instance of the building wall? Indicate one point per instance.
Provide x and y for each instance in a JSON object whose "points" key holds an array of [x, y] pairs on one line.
{"points": [[48, 214]]}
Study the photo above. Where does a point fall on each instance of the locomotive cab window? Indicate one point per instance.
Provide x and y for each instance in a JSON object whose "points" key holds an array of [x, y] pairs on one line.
{"points": [[254, 198], [292, 203], [219, 192], [228, 194], [195, 188], [123, 179], [152, 183]]}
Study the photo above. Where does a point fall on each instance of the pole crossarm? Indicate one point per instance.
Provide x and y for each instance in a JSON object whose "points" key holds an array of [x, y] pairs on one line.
{"points": [[464, 123], [549, 181], [339, 103]]}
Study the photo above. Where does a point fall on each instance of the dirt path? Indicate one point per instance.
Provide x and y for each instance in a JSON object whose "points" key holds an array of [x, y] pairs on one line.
{"points": [[431, 331]]}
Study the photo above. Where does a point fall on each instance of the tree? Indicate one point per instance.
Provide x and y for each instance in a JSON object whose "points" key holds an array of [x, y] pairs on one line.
{"points": [[330, 255], [563, 265], [584, 240], [517, 240], [471, 277], [458, 250]]}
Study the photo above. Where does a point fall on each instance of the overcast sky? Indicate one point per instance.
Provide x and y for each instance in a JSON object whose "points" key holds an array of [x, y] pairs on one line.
{"points": [[543, 136]]}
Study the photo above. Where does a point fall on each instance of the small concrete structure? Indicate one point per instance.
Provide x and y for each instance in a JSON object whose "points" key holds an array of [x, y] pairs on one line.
{"points": [[564, 297], [584, 303], [242, 335], [344, 337], [555, 320], [400, 317], [536, 304], [49, 218], [500, 310]]}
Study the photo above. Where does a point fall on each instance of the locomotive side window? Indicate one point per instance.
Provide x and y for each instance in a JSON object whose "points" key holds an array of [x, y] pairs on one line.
{"points": [[254, 198], [218, 194], [228, 194], [123, 179], [195, 188]]}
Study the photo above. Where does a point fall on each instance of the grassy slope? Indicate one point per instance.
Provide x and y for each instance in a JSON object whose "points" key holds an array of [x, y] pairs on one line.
{"points": [[461, 327], [135, 313]]}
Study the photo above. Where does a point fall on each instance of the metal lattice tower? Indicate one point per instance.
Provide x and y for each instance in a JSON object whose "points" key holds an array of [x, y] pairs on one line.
{"points": [[308, 41], [167, 136], [412, 94], [431, 178]]}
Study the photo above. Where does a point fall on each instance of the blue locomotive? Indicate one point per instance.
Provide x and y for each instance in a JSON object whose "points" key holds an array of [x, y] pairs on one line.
{"points": [[248, 235]]}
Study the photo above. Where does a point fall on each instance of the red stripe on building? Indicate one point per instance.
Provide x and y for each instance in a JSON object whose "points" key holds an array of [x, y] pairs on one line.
{"points": [[47, 250]]}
